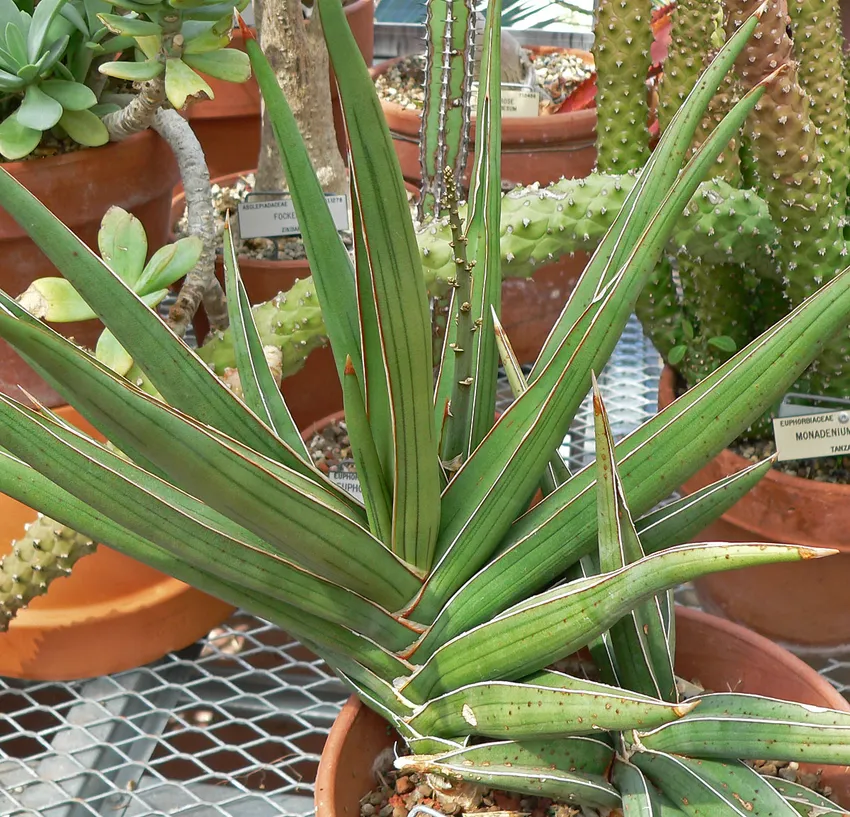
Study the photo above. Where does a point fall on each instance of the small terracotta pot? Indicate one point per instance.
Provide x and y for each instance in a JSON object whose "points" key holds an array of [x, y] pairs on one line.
{"points": [[802, 604], [534, 149], [112, 614], [719, 654], [137, 174], [229, 126]]}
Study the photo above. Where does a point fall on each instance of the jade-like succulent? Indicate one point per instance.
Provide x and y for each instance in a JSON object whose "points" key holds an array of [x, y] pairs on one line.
{"points": [[52, 53], [443, 599]]}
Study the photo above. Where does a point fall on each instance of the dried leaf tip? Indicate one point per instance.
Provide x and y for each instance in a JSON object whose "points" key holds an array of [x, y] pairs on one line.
{"points": [[782, 69], [683, 708], [498, 329], [227, 220], [37, 404], [815, 553], [349, 366], [247, 34], [598, 407]]}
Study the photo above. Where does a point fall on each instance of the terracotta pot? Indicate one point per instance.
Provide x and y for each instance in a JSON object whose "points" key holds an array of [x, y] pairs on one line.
{"points": [[802, 604], [228, 126], [719, 654], [534, 149], [112, 614], [137, 174]]}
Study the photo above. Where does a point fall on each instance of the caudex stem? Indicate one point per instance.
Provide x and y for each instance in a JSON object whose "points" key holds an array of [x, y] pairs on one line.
{"points": [[458, 409]]}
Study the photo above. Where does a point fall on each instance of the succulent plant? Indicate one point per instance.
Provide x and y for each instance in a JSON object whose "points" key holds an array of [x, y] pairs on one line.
{"points": [[442, 598], [51, 55]]}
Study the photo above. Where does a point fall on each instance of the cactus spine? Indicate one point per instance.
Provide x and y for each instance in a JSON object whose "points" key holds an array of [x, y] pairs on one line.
{"points": [[47, 551]]}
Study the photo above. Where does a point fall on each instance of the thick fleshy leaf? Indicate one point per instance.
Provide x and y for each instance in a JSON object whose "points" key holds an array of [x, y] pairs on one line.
{"points": [[643, 660], [226, 64], [555, 623], [261, 391], [182, 84], [123, 244], [173, 368], [167, 437], [129, 26], [634, 788], [565, 786], [544, 705], [43, 15], [655, 179], [807, 803], [757, 728], [73, 96], [133, 71], [38, 110], [521, 442], [112, 354], [16, 140], [84, 127], [169, 264]]}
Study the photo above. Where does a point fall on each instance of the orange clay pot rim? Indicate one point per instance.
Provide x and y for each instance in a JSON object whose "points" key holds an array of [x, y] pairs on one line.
{"points": [[129, 604], [515, 122], [799, 484], [30, 166]]}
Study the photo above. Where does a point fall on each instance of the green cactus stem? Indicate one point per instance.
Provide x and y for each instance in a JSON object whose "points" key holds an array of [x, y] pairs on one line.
{"points": [[539, 225], [622, 32], [47, 551], [819, 45], [797, 188], [449, 61]]}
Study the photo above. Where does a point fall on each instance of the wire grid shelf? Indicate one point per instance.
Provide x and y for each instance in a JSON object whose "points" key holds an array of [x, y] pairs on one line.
{"points": [[232, 726]]}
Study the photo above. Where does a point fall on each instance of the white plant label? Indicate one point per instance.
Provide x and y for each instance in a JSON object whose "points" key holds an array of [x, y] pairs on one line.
{"points": [[516, 101], [271, 219], [808, 436], [347, 480]]}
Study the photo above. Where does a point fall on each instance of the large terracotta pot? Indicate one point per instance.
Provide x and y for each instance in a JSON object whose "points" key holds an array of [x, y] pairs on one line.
{"points": [[719, 654], [112, 614], [228, 126], [137, 174], [534, 149], [802, 604]]}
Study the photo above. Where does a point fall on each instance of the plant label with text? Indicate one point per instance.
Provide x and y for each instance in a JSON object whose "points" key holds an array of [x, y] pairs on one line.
{"points": [[808, 436], [517, 101], [272, 219]]}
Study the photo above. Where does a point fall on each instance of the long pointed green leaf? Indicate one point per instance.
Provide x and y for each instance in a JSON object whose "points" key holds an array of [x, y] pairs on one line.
{"points": [[303, 519], [655, 178], [634, 788], [178, 373], [328, 257], [31, 488], [555, 623], [583, 754], [517, 448], [757, 728], [807, 803], [654, 460], [182, 525], [399, 292], [708, 788], [566, 787], [643, 659], [262, 393], [528, 710]]}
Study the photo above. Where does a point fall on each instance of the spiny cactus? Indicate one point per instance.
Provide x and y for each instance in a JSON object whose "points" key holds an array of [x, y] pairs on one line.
{"points": [[47, 551]]}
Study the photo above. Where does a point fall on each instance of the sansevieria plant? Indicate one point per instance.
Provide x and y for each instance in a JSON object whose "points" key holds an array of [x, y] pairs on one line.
{"points": [[442, 599]]}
